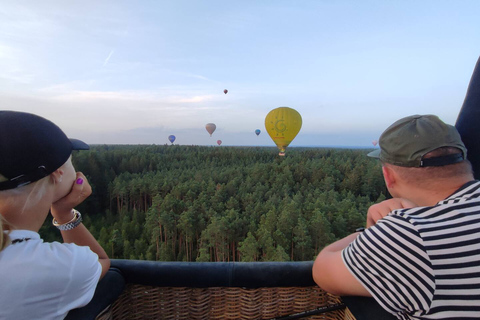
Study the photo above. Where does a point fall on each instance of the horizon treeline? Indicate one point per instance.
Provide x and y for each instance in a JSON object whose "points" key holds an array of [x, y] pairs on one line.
{"points": [[195, 203]]}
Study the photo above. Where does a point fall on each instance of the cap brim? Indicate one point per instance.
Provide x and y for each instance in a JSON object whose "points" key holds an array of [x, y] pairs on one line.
{"points": [[79, 145], [374, 154]]}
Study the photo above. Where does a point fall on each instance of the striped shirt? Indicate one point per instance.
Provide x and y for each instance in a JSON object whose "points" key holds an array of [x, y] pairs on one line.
{"points": [[424, 262]]}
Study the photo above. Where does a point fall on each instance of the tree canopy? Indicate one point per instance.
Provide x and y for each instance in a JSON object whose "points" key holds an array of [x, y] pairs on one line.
{"points": [[194, 203]]}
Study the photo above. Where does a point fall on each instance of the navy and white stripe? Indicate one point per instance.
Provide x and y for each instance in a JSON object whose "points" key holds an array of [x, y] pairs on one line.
{"points": [[424, 263]]}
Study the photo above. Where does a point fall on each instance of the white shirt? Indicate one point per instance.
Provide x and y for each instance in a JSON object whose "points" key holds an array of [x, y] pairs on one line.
{"points": [[40, 280]]}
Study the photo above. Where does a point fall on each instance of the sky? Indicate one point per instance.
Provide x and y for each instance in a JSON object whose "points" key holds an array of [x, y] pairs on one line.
{"points": [[135, 72]]}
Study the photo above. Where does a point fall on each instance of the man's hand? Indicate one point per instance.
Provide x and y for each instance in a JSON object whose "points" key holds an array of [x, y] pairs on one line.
{"points": [[329, 270], [380, 210]]}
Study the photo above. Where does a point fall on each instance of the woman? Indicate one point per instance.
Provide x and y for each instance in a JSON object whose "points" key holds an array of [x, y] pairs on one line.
{"points": [[43, 280]]}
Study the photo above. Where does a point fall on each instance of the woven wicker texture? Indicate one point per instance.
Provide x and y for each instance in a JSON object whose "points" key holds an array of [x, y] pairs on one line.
{"points": [[146, 302]]}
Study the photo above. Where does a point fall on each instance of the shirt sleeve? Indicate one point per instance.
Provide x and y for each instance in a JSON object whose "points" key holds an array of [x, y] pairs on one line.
{"points": [[390, 261]]}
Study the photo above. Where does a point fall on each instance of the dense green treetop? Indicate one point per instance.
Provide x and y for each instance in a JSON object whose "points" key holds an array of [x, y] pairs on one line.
{"points": [[193, 203]]}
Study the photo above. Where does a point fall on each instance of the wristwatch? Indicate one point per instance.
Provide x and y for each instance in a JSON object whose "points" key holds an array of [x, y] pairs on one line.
{"points": [[77, 219], [361, 229]]}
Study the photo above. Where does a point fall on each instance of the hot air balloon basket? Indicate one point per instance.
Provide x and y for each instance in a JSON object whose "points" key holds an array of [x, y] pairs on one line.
{"points": [[149, 302]]}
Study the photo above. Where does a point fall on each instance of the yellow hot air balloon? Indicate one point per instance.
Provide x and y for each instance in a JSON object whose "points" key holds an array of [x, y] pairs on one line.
{"points": [[283, 125]]}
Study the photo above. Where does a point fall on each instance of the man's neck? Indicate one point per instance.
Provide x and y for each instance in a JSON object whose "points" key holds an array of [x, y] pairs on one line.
{"points": [[435, 194]]}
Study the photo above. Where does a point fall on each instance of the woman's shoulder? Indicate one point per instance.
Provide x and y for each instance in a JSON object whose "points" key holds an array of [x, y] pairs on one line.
{"points": [[64, 262], [27, 246]]}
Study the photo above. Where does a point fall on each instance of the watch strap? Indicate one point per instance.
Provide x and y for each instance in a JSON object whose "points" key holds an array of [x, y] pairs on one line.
{"points": [[77, 219]]}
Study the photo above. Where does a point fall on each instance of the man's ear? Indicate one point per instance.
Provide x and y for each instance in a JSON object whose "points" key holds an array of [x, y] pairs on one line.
{"points": [[388, 176], [57, 176]]}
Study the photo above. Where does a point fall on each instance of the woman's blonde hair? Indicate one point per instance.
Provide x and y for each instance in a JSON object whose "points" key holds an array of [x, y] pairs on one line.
{"points": [[29, 195], [4, 239]]}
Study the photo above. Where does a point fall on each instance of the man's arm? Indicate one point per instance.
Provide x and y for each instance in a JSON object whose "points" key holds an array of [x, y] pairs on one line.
{"points": [[332, 275], [330, 272]]}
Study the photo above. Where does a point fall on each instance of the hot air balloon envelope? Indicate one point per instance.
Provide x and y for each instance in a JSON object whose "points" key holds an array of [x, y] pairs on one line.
{"points": [[219, 142], [375, 142], [257, 132], [171, 138], [225, 91], [283, 125], [210, 128]]}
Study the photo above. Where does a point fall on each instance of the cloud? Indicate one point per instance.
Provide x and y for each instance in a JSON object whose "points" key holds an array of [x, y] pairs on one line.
{"points": [[103, 112], [108, 58], [196, 76], [132, 96], [90, 96], [11, 67], [194, 99]]}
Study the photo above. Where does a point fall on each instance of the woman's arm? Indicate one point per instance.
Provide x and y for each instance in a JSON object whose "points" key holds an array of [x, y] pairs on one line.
{"points": [[62, 212]]}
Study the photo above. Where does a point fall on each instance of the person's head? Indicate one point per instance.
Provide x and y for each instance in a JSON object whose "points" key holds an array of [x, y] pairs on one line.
{"points": [[32, 148], [423, 150]]}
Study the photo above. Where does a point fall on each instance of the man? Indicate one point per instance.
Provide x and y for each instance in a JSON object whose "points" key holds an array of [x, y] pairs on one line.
{"points": [[419, 256]]}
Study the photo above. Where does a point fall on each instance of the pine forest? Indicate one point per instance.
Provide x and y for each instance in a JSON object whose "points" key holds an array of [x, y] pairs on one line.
{"points": [[195, 203]]}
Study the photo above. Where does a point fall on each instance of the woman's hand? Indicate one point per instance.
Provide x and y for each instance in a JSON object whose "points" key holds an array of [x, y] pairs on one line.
{"points": [[62, 212], [380, 210], [62, 209]]}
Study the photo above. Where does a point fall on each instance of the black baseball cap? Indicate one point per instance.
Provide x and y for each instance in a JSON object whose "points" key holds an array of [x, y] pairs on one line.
{"points": [[31, 147], [406, 142]]}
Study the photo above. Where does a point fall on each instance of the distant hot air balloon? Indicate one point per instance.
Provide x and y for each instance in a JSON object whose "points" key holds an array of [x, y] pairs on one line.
{"points": [[171, 138], [257, 132], [225, 91], [283, 125], [210, 128], [219, 142], [374, 142]]}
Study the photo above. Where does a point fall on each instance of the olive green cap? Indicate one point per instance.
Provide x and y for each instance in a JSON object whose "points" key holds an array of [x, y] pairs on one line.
{"points": [[407, 140]]}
